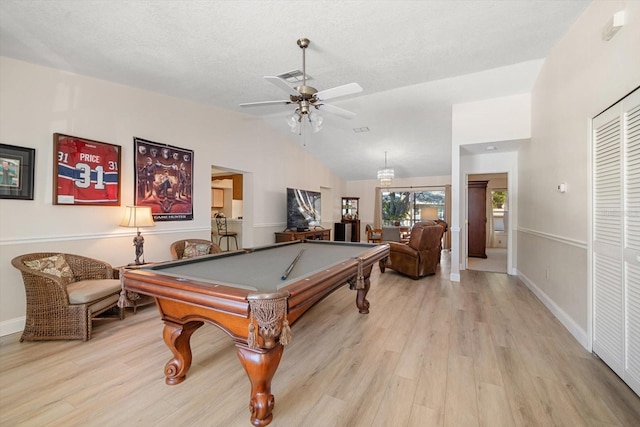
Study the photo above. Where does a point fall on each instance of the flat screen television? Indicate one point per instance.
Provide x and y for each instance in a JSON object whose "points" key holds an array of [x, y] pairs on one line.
{"points": [[303, 209]]}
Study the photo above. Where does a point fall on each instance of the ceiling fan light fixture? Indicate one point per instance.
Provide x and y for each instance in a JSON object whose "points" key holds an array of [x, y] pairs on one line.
{"points": [[316, 121], [386, 175], [294, 122], [305, 97]]}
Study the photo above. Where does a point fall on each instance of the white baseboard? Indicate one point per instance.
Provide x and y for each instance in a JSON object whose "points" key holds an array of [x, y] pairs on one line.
{"points": [[574, 329], [12, 326]]}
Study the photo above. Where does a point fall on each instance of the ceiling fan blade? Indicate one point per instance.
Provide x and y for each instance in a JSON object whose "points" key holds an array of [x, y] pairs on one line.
{"points": [[335, 92], [282, 85], [259, 103], [332, 109]]}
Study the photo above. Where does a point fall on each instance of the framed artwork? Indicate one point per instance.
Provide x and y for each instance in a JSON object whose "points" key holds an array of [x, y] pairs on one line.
{"points": [[85, 172], [16, 175], [164, 180]]}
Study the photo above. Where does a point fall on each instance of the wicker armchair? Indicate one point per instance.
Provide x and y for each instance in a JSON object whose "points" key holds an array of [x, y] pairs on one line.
{"points": [[64, 307], [177, 248]]}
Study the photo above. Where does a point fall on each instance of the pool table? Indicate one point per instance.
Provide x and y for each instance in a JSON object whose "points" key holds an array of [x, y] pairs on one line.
{"points": [[246, 294]]}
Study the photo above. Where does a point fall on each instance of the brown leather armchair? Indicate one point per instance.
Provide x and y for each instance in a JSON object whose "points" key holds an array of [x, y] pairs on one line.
{"points": [[420, 256]]}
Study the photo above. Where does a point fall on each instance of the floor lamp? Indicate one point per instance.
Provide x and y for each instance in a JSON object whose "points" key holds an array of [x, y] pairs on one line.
{"points": [[428, 213]]}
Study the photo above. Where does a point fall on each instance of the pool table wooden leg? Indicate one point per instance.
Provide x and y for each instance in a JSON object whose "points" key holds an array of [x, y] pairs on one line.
{"points": [[177, 338], [260, 366], [361, 299]]}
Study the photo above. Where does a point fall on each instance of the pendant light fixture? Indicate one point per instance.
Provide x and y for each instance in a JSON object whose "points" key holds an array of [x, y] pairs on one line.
{"points": [[385, 175]]}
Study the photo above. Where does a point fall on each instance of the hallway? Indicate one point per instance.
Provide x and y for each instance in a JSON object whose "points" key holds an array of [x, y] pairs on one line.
{"points": [[496, 261]]}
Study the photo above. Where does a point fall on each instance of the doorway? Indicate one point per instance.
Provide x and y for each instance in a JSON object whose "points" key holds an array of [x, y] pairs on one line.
{"points": [[489, 254], [228, 194]]}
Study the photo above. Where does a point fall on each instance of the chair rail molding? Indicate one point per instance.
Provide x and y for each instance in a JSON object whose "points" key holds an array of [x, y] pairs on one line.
{"points": [[118, 234], [555, 237]]}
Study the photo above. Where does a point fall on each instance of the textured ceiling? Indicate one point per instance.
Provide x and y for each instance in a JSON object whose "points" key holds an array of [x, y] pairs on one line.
{"points": [[414, 59]]}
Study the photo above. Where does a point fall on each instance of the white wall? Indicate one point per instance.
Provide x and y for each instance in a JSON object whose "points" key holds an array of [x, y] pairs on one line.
{"points": [[501, 120], [36, 101], [581, 77]]}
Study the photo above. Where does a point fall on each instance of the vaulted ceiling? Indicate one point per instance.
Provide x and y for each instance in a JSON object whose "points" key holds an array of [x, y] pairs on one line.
{"points": [[414, 60]]}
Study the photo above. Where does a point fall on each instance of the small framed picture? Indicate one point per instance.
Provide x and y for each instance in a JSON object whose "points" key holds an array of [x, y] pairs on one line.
{"points": [[16, 175], [85, 172]]}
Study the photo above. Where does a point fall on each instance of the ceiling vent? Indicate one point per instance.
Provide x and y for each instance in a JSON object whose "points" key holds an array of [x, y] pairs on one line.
{"points": [[294, 76], [360, 130]]}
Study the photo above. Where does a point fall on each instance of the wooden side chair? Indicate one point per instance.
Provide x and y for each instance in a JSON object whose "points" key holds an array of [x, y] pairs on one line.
{"points": [[65, 292], [374, 235]]}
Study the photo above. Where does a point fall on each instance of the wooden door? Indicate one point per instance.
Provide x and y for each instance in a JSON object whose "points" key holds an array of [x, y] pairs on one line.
{"points": [[477, 214]]}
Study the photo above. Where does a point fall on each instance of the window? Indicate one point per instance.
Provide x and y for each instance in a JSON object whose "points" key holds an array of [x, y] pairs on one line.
{"points": [[498, 202], [405, 208]]}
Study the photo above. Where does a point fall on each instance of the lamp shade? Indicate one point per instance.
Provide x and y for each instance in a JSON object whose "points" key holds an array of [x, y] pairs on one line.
{"points": [[137, 216], [429, 213]]}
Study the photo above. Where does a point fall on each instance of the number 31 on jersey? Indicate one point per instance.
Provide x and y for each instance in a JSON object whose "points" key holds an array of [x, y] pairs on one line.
{"points": [[87, 172]]}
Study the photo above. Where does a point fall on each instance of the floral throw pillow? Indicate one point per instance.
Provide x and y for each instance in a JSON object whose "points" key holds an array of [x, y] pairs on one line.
{"points": [[55, 265], [195, 249]]}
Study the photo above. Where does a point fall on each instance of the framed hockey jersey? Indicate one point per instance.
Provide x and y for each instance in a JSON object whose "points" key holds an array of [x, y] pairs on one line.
{"points": [[85, 172]]}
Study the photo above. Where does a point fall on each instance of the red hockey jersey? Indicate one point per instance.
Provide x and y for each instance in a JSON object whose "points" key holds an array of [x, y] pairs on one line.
{"points": [[87, 172]]}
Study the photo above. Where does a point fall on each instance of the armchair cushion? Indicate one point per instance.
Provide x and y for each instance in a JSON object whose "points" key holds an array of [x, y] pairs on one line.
{"points": [[197, 247], [55, 265], [91, 290], [194, 249]]}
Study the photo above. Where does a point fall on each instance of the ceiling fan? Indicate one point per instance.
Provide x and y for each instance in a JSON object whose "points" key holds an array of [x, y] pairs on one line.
{"points": [[308, 98]]}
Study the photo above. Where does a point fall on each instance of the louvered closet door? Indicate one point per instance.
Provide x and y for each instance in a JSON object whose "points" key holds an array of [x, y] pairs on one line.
{"points": [[608, 329], [632, 242], [616, 238]]}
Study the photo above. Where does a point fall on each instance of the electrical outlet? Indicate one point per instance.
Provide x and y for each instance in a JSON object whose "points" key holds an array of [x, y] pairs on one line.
{"points": [[546, 273]]}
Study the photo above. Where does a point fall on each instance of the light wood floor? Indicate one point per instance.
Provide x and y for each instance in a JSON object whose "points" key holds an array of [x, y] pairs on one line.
{"points": [[496, 261], [432, 352]]}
